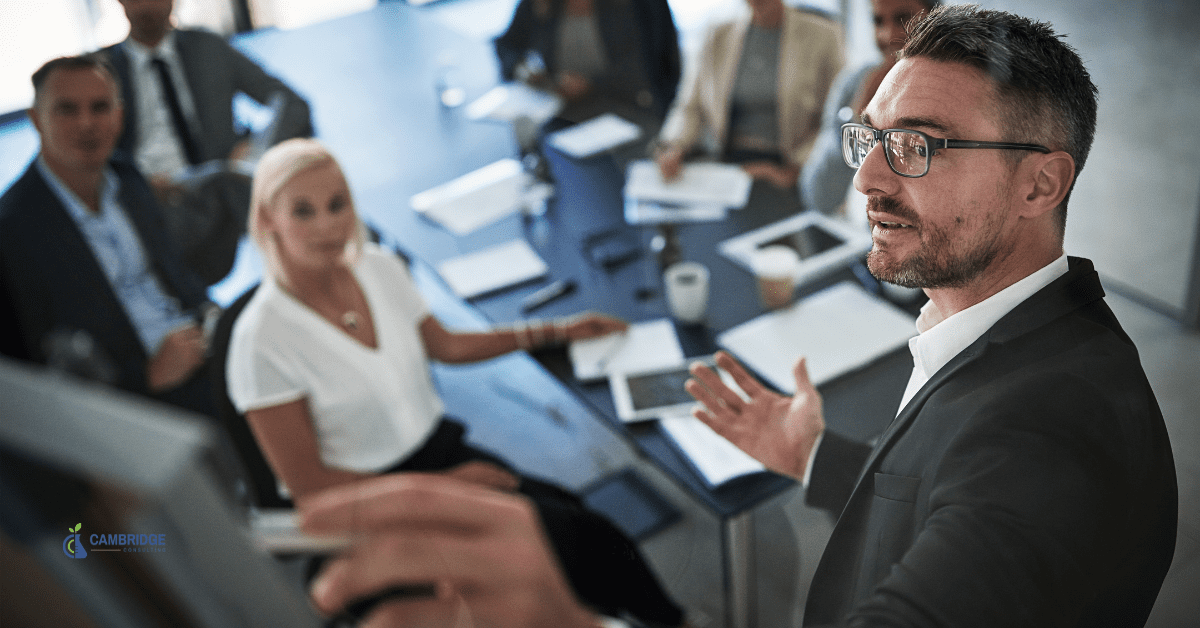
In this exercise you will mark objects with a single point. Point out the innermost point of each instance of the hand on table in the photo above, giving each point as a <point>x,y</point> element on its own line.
<point>589,325</point>
<point>782,177</point>
<point>670,162</point>
<point>179,355</point>
<point>572,86</point>
<point>776,430</point>
<point>483,551</point>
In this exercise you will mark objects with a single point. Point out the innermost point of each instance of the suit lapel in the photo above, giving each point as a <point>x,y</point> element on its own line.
<point>1078,287</point>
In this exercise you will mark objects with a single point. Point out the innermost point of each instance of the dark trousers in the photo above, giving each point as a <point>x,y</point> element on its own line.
<point>603,565</point>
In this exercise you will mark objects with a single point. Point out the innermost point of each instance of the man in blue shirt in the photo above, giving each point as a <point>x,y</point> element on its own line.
<point>84,256</point>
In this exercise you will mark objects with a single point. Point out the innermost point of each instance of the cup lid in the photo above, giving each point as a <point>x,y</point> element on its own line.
<point>774,260</point>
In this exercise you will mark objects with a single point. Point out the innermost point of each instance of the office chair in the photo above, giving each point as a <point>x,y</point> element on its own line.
<point>263,485</point>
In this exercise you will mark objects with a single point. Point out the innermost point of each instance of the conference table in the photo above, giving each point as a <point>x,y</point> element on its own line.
<point>372,79</point>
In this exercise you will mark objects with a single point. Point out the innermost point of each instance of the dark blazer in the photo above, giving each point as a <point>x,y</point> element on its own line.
<point>632,30</point>
<point>52,282</point>
<point>215,73</point>
<point>1029,483</point>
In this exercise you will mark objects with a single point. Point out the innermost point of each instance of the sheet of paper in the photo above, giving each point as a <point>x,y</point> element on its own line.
<point>598,134</point>
<point>705,183</point>
<point>717,459</point>
<point>651,213</point>
<point>492,268</point>
<point>839,329</point>
<point>508,101</point>
<point>475,199</point>
<point>642,347</point>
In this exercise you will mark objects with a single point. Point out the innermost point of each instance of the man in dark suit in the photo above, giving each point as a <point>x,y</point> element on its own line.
<point>1027,478</point>
<point>85,265</point>
<point>178,87</point>
<point>205,73</point>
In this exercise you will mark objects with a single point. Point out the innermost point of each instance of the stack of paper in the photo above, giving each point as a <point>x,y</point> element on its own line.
<point>839,329</point>
<point>492,268</point>
<point>477,198</point>
<point>643,347</point>
<point>598,134</point>
<point>725,185</point>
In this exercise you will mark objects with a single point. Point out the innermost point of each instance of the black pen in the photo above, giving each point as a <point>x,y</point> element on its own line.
<point>547,294</point>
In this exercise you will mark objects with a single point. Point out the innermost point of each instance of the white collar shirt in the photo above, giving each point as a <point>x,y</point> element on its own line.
<point>118,250</point>
<point>157,150</point>
<point>936,343</point>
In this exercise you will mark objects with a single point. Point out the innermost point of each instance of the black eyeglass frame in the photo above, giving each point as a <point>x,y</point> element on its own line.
<point>934,143</point>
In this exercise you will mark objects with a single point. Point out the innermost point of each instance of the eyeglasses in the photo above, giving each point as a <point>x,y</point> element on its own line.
<point>908,152</point>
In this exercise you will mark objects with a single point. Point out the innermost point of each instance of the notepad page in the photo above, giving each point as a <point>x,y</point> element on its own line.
<point>643,346</point>
<point>839,329</point>
<point>492,268</point>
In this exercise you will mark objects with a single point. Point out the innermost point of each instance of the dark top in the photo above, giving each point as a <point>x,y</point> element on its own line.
<point>639,37</point>
<point>50,281</point>
<point>1029,483</point>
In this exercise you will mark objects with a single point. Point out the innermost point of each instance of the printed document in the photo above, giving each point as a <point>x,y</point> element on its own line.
<point>704,183</point>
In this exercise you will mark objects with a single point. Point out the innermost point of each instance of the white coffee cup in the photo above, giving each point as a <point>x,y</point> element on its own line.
<point>775,268</point>
<point>687,291</point>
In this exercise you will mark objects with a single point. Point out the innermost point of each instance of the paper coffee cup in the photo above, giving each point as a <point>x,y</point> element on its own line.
<point>775,268</point>
<point>686,286</point>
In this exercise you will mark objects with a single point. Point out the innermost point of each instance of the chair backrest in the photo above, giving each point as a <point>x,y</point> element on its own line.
<point>264,491</point>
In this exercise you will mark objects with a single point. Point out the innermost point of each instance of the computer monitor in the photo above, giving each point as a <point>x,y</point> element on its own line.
<point>126,503</point>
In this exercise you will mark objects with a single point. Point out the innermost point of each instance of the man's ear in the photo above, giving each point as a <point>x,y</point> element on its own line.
<point>1049,178</point>
<point>32,112</point>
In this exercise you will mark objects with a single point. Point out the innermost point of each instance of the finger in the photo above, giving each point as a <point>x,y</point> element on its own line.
<point>405,499</point>
<point>347,582</point>
<point>800,372</point>
<point>740,376</point>
<point>428,613</point>
<point>709,402</point>
<point>718,425</point>
<point>713,383</point>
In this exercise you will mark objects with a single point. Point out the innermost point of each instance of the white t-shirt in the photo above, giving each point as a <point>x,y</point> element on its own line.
<point>371,408</point>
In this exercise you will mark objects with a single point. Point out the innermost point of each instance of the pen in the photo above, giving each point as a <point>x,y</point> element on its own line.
<point>612,352</point>
<point>547,294</point>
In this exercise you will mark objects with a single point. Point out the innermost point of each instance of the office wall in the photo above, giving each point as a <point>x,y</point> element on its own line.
<point>1136,204</point>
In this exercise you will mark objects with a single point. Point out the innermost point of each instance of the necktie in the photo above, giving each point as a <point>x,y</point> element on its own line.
<point>190,150</point>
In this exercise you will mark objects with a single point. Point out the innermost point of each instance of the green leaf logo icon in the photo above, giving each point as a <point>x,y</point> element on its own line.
<point>77,527</point>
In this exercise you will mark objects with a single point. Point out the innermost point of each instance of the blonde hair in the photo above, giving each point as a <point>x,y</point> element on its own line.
<point>279,165</point>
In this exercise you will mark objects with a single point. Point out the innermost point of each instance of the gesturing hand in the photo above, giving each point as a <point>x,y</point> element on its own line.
<point>776,430</point>
<point>483,551</point>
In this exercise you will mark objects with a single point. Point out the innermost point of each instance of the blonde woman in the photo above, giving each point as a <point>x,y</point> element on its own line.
<point>329,364</point>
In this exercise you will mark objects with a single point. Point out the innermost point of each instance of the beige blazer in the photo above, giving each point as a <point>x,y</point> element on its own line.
<point>810,58</point>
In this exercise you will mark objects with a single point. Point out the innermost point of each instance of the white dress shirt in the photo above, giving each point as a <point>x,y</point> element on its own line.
<point>157,149</point>
<point>937,342</point>
<point>118,250</point>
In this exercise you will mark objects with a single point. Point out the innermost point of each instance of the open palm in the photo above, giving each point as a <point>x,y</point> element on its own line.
<point>777,430</point>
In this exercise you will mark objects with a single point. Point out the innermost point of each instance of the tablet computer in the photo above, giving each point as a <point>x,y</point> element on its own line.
<point>651,394</point>
<point>822,244</point>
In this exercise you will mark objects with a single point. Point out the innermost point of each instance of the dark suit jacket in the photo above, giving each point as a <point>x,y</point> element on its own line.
<point>640,32</point>
<point>52,282</point>
<point>215,72</point>
<point>1029,483</point>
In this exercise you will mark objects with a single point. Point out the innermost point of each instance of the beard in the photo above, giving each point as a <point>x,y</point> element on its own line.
<point>937,263</point>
